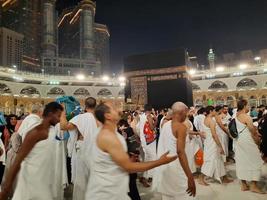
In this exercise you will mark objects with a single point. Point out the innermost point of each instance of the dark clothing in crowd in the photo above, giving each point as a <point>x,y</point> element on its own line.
<point>133,144</point>
<point>133,194</point>
<point>263,131</point>
<point>260,114</point>
<point>160,116</point>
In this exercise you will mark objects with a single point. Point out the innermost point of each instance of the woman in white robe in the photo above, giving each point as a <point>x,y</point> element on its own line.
<point>247,154</point>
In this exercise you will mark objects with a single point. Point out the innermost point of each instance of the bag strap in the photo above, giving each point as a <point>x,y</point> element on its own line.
<point>242,129</point>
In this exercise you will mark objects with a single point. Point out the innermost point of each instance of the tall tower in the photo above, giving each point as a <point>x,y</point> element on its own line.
<point>88,8</point>
<point>211,59</point>
<point>49,31</point>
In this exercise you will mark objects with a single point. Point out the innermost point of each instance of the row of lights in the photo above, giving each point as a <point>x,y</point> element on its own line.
<point>17,78</point>
<point>222,68</point>
<point>54,82</point>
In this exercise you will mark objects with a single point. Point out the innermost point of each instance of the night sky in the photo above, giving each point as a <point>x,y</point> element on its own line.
<point>139,26</point>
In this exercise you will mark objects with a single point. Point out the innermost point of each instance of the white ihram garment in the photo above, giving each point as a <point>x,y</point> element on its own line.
<point>213,165</point>
<point>199,121</point>
<point>86,125</point>
<point>35,179</point>
<point>60,168</point>
<point>150,149</point>
<point>247,155</point>
<point>108,181</point>
<point>28,124</point>
<point>170,180</point>
<point>192,146</point>
<point>224,139</point>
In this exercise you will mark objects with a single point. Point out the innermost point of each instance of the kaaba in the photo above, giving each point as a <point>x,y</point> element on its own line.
<point>158,78</point>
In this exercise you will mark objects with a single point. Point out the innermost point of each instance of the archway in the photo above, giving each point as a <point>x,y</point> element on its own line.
<point>218,85</point>
<point>30,92</point>
<point>4,89</point>
<point>104,93</point>
<point>55,92</point>
<point>81,92</point>
<point>246,83</point>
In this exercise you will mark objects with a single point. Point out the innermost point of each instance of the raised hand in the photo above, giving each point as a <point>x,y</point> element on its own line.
<point>165,159</point>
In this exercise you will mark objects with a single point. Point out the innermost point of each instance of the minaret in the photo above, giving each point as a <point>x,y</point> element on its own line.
<point>211,59</point>
<point>88,8</point>
<point>49,31</point>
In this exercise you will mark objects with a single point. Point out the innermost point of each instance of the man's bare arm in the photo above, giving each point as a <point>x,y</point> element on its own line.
<point>64,124</point>
<point>219,122</point>
<point>113,146</point>
<point>30,140</point>
<point>180,132</point>
<point>252,129</point>
<point>214,134</point>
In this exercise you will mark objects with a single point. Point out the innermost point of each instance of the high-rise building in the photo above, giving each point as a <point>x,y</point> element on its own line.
<point>11,48</point>
<point>102,47</point>
<point>70,43</point>
<point>80,38</point>
<point>24,17</point>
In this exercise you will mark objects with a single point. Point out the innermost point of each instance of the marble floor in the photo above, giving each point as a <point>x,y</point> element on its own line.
<point>216,191</point>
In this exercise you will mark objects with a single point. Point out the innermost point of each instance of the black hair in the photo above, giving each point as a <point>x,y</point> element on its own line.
<point>201,111</point>
<point>218,108</point>
<point>147,107</point>
<point>241,104</point>
<point>9,126</point>
<point>225,106</point>
<point>52,107</point>
<point>90,103</point>
<point>123,122</point>
<point>100,112</point>
<point>209,109</point>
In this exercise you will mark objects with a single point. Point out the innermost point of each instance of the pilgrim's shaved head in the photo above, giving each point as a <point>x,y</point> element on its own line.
<point>179,107</point>
<point>179,110</point>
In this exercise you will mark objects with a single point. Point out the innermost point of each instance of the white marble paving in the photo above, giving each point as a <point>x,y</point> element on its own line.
<point>216,191</point>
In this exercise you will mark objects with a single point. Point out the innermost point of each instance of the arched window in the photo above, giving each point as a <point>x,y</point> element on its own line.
<point>246,83</point>
<point>195,87</point>
<point>104,93</point>
<point>218,85</point>
<point>56,91</point>
<point>30,92</point>
<point>4,89</point>
<point>81,92</point>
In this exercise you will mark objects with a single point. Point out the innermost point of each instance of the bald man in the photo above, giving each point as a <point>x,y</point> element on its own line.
<point>175,180</point>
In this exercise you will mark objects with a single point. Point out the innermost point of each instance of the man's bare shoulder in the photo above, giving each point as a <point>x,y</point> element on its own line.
<point>107,138</point>
<point>38,132</point>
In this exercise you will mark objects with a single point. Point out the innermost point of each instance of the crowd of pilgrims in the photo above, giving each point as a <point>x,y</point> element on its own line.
<point>103,152</point>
